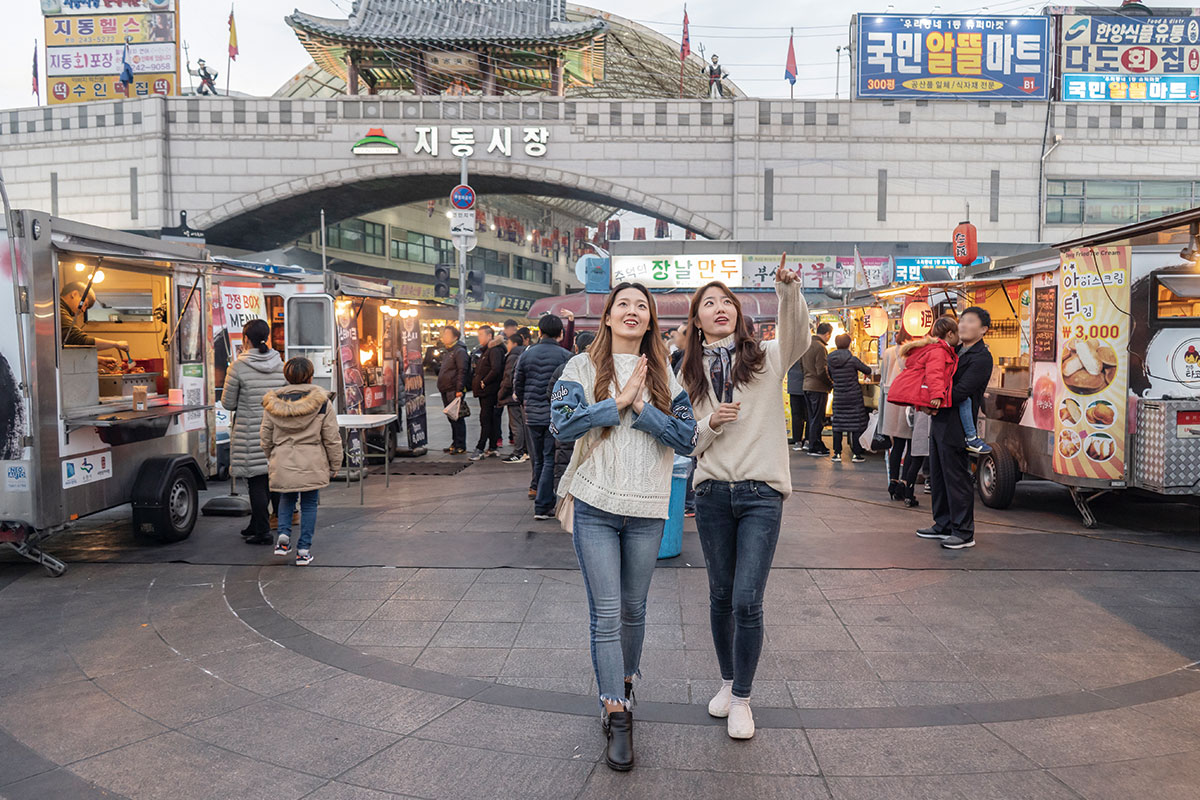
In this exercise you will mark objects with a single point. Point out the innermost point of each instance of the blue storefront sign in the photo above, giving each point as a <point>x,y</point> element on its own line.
<point>987,57</point>
<point>1131,59</point>
<point>910,270</point>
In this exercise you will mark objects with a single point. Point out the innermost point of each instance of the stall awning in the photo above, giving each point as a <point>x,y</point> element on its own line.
<point>1175,226</point>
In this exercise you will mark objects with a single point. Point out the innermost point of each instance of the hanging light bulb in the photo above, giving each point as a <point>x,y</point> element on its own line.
<point>80,266</point>
<point>98,276</point>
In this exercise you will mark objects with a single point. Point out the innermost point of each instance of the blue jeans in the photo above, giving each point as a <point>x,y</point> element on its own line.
<point>739,527</point>
<point>616,555</point>
<point>541,450</point>
<point>966,413</point>
<point>308,515</point>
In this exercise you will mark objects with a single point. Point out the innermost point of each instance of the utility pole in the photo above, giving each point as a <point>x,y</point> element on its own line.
<point>462,269</point>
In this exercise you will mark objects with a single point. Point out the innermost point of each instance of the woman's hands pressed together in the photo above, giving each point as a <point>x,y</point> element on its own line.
<point>726,412</point>
<point>632,393</point>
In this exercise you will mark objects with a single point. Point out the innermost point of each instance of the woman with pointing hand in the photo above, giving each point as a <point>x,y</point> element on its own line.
<point>743,473</point>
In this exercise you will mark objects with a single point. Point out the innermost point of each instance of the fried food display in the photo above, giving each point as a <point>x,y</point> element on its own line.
<point>1068,411</point>
<point>1069,443</point>
<point>1101,413</point>
<point>1088,365</point>
<point>1100,447</point>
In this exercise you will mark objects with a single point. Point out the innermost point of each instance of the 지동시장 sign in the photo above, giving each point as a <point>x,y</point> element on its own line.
<point>981,57</point>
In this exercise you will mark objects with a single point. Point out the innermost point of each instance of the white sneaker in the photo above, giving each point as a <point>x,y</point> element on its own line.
<point>719,705</point>
<point>282,545</point>
<point>741,719</point>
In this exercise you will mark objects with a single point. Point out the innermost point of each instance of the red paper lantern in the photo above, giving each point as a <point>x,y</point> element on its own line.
<point>966,248</point>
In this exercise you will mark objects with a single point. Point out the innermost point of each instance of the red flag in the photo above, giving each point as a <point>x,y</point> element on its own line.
<point>685,49</point>
<point>789,70</point>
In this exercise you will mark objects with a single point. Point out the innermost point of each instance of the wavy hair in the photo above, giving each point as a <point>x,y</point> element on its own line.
<point>652,347</point>
<point>749,359</point>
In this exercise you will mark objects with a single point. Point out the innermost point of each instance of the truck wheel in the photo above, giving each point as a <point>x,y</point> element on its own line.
<point>174,516</point>
<point>997,478</point>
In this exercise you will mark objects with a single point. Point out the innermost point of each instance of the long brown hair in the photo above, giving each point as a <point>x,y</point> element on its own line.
<point>652,347</point>
<point>748,357</point>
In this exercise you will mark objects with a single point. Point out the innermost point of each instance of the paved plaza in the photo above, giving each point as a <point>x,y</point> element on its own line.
<point>437,648</point>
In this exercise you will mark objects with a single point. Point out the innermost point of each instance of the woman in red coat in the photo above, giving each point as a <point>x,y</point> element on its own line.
<point>929,365</point>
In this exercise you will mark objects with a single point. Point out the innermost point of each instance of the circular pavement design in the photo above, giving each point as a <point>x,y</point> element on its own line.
<point>245,596</point>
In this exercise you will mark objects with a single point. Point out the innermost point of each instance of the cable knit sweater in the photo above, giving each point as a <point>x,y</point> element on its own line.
<point>755,447</point>
<point>629,472</point>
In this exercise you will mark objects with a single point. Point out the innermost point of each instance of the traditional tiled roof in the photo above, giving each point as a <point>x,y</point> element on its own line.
<point>451,21</point>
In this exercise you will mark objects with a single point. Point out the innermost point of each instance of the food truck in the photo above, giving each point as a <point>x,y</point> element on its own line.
<point>1097,377</point>
<point>85,427</point>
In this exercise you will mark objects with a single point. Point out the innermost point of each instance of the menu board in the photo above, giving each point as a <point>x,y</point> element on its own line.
<point>1093,362</point>
<point>1045,324</point>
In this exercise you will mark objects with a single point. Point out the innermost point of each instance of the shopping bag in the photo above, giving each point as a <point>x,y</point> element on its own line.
<point>869,440</point>
<point>458,409</point>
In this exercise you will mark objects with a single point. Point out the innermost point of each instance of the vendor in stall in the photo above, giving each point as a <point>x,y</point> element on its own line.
<point>71,302</point>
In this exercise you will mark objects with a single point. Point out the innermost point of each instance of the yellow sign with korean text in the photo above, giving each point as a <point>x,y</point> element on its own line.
<point>81,89</point>
<point>110,29</point>
<point>1092,363</point>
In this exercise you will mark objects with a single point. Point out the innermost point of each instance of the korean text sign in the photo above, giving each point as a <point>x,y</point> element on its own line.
<point>1150,59</point>
<point>1092,363</point>
<point>677,272</point>
<point>989,57</point>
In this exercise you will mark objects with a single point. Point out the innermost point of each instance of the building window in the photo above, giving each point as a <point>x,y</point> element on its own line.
<point>530,269</point>
<point>356,235</point>
<point>1116,202</point>
<point>492,262</point>
<point>421,248</point>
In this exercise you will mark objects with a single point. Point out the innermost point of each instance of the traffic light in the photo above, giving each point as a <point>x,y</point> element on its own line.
<point>475,285</point>
<point>441,281</point>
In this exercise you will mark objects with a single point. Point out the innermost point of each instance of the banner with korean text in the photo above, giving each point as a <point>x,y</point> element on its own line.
<point>1130,59</point>
<point>1093,362</point>
<point>924,55</point>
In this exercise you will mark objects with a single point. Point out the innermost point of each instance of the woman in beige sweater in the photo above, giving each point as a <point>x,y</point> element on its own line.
<point>743,473</point>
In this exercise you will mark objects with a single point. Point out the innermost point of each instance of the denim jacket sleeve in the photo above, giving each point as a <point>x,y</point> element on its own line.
<point>676,430</point>
<point>571,416</point>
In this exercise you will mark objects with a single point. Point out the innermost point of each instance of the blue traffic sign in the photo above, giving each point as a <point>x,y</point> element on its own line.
<point>462,197</point>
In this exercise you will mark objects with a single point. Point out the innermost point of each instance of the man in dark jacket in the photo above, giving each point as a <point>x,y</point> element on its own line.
<point>516,344</point>
<point>488,374</point>
<point>795,389</point>
<point>452,383</point>
<point>817,386</point>
<point>531,383</point>
<point>949,466</point>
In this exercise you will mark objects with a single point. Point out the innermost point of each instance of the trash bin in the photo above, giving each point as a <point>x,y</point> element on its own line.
<point>672,540</point>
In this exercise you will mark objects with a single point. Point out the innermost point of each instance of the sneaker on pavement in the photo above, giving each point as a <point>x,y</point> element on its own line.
<point>516,458</point>
<point>543,517</point>
<point>978,445</point>
<point>490,454</point>
<point>817,453</point>
<point>478,455</point>
<point>719,705</point>
<point>837,458</point>
<point>799,447</point>
<point>282,545</point>
<point>957,543</point>
<point>932,533</point>
<point>741,719</point>
<point>303,558</point>
<point>928,488</point>
<point>858,459</point>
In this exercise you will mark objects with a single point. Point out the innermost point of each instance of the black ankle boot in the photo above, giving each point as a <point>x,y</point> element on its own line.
<point>619,754</point>
<point>629,695</point>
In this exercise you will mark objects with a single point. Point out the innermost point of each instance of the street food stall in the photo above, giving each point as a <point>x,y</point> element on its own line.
<point>1097,377</point>
<point>105,377</point>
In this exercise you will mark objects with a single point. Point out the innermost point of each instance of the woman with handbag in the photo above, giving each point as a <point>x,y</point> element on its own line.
<point>743,471</point>
<point>893,422</point>
<point>626,412</point>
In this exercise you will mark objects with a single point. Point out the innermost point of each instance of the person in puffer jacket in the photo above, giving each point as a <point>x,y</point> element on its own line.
<point>929,364</point>
<point>304,450</point>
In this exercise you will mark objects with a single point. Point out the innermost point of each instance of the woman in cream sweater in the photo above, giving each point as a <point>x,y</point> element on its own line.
<point>743,473</point>
<point>626,412</point>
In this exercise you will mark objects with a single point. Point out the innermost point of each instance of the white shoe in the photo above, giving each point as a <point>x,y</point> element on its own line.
<point>741,719</point>
<point>719,705</point>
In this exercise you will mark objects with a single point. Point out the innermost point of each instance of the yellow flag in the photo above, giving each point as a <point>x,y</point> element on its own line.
<point>233,48</point>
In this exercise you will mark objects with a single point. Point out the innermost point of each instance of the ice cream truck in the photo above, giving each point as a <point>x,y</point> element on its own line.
<point>1097,378</point>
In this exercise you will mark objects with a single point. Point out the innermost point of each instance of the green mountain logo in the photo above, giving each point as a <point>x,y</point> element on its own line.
<point>375,144</point>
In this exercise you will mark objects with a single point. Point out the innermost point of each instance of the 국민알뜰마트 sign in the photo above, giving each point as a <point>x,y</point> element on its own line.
<point>677,272</point>
<point>911,270</point>
<point>1148,59</point>
<point>984,57</point>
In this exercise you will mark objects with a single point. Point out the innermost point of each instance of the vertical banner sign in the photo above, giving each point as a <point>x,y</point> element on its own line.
<point>12,404</point>
<point>352,377</point>
<point>414,383</point>
<point>1131,59</point>
<point>1042,409</point>
<point>1093,362</point>
<point>922,55</point>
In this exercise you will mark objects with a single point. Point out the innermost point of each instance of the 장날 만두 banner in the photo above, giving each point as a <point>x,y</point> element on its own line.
<point>1093,362</point>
